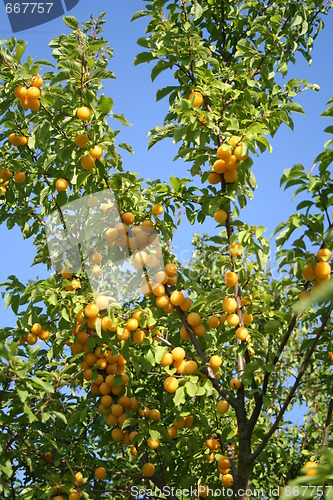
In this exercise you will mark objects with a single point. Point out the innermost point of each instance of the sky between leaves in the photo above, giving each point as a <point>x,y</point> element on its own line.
<point>134,95</point>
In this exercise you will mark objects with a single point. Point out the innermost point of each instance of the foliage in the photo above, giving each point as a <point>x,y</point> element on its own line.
<point>54,423</point>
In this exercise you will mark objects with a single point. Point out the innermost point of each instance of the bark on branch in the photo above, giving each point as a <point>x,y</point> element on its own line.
<point>328,423</point>
<point>294,387</point>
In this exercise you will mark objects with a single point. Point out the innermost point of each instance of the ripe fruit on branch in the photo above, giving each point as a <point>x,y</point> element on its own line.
<point>215,362</point>
<point>231,163</point>
<point>197,99</point>
<point>148,470</point>
<point>247,319</point>
<point>230,176</point>
<point>100,473</point>
<point>24,103</point>
<point>172,431</point>
<point>96,152</point>
<point>238,153</point>
<point>167,359</point>
<point>178,354</point>
<point>213,178</point>
<point>19,177</point>
<point>236,249</point>
<point>87,162</point>
<point>229,305</point>
<point>13,139</point>
<point>213,444</point>
<point>79,478</point>
<point>153,444</point>
<point>33,93</point>
<point>308,272</point>
<point>101,304</point>
<point>33,104</point>
<point>193,319</point>
<point>191,367</point>
<point>242,333</point>
<point>66,273</point>
<point>36,81</point>
<point>128,218</point>
<point>310,469</point>
<point>220,216</point>
<point>81,140</point>
<point>91,311</point>
<point>75,495</point>
<point>224,463</point>
<point>213,322</point>
<point>132,324</point>
<point>154,414</point>
<point>227,480</point>
<point>4,173</point>
<point>222,406</point>
<point>83,113</point>
<point>36,329</point>
<point>324,255</point>
<point>322,270</point>
<point>220,166</point>
<point>235,383</point>
<point>96,258</point>
<point>157,209</point>
<point>230,278</point>
<point>170,269</point>
<point>224,153</point>
<point>61,185</point>
<point>233,320</point>
<point>171,384</point>
<point>20,92</point>
<point>177,298</point>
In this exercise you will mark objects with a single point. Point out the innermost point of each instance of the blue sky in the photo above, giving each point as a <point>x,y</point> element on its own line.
<point>134,95</point>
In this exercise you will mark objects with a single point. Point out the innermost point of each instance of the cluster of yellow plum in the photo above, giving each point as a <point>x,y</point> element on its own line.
<point>229,160</point>
<point>223,462</point>
<point>320,271</point>
<point>5,174</point>
<point>100,474</point>
<point>29,96</point>
<point>36,332</point>
<point>81,141</point>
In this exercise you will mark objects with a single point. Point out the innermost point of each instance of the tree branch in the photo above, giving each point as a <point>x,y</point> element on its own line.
<point>328,423</point>
<point>256,412</point>
<point>207,370</point>
<point>294,387</point>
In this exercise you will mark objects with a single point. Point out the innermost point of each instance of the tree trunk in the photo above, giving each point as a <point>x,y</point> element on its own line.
<point>244,468</point>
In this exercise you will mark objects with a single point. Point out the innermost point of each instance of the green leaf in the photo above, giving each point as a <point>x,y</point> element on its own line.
<point>118,380</point>
<point>272,326</point>
<point>138,14</point>
<point>154,434</point>
<point>43,384</point>
<point>179,398</point>
<point>143,57</point>
<point>198,11</point>
<point>191,389</point>
<point>105,104</point>
<point>71,21</point>
<point>44,62</point>
<point>175,183</point>
<point>127,147</point>
<point>6,467</point>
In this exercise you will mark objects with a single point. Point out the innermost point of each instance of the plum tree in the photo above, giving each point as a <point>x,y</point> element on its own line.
<point>188,384</point>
